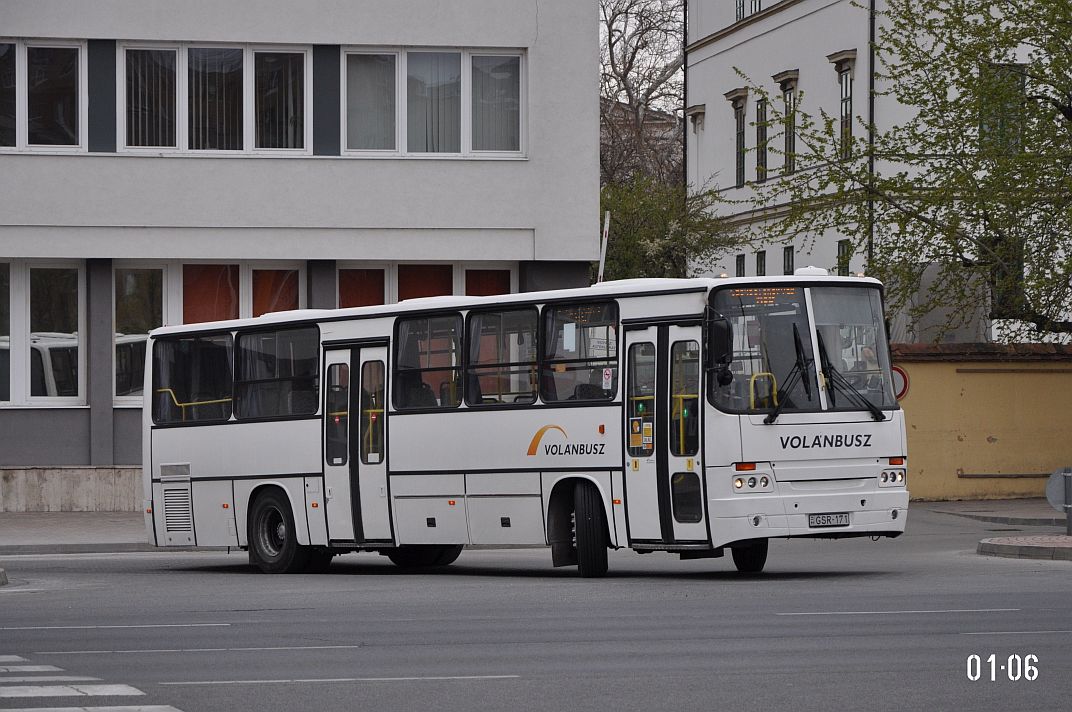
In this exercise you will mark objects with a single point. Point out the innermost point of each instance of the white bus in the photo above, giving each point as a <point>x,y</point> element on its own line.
<point>688,416</point>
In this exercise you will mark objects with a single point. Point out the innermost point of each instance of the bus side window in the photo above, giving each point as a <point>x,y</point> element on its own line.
<point>580,348</point>
<point>372,402</point>
<point>640,408</point>
<point>428,362</point>
<point>685,398</point>
<point>336,444</point>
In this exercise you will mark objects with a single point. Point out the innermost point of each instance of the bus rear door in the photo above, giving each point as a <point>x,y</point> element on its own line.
<point>355,445</point>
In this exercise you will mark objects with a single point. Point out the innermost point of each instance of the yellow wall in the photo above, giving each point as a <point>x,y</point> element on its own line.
<point>1005,418</point>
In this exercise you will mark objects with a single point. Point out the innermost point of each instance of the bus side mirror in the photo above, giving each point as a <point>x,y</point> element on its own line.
<point>719,344</point>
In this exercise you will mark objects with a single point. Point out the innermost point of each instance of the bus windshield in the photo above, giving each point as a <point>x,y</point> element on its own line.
<point>783,351</point>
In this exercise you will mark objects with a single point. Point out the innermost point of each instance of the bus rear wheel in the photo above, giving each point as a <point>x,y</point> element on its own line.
<point>424,556</point>
<point>590,530</point>
<point>272,536</point>
<point>750,559</point>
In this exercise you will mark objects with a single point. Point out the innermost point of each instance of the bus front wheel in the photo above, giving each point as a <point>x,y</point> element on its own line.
<point>750,559</point>
<point>273,538</point>
<point>590,530</point>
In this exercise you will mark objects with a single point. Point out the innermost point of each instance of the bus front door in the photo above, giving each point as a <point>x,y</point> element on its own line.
<point>664,484</point>
<point>355,445</point>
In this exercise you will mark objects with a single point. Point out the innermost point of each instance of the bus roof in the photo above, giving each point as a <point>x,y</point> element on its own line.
<point>615,288</point>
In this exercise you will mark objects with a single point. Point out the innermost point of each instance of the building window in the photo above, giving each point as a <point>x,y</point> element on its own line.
<point>761,263</point>
<point>7,95</point>
<point>416,281</point>
<point>371,101</point>
<point>279,99</point>
<point>761,140</point>
<point>5,332</point>
<point>215,99</point>
<point>844,254</point>
<point>55,311</point>
<point>362,287</point>
<point>757,5</point>
<point>740,10</point>
<point>740,265</point>
<point>209,293</point>
<point>52,96</point>
<point>151,97</point>
<point>788,260</point>
<point>486,282</point>
<point>789,101</point>
<point>845,83</point>
<point>139,308</point>
<point>739,148</point>
<point>274,290</point>
<point>496,103</point>
<point>1001,121</point>
<point>434,107</point>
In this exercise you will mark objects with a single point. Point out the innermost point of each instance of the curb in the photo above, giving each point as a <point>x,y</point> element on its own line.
<point>1056,521</point>
<point>24,549</point>
<point>1016,548</point>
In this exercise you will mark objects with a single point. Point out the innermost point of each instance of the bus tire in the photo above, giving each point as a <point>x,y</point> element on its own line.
<point>272,536</point>
<point>423,556</point>
<point>590,527</point>
<point>752,558</point>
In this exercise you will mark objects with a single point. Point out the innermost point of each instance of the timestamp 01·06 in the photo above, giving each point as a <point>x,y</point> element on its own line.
<point>1015,667</point>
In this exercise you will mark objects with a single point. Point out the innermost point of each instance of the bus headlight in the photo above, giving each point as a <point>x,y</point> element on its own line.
<point>738,483</point>
<point>892,478</point>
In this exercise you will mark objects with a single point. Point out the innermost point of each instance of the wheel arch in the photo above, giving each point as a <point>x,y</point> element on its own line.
<point>559,505</point>
<point>301,525</point>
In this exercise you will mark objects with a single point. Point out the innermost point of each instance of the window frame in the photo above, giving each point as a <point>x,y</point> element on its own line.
<point>401,149</point>
<point>83,344</point>
<point>137,401</point>
<point>761,263</point>
<point>466,365</point>
<point>543,360</point>
<point>182,103</point>
<point>22,129</point>
<point>789,260</point>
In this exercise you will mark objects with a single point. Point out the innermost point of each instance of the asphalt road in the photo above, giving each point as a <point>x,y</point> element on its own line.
<point>831,625</point>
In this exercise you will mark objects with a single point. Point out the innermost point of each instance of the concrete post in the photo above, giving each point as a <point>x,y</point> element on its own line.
<point>322,284</point>
<point>99,361</point>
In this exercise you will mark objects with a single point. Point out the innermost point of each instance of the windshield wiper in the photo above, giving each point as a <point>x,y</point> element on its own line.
<point>798,372</point>
<point>837,380</point>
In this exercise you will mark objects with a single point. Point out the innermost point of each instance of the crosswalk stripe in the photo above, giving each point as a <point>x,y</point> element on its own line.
<point>11,659</point>
<point>46,678</point>
<point>134,708</point>
<point>69,691</point>
<point>30,668</point>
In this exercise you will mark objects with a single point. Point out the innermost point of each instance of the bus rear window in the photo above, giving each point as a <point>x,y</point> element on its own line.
<point>192,379</point>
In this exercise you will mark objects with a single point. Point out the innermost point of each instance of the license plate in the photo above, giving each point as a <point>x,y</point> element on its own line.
<point>838,519</point>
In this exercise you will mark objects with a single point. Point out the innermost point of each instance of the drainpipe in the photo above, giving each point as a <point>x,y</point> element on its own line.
<point>871,137</point>
<point>685,96</point>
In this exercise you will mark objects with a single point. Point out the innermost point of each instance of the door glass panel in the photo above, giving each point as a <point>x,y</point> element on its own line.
<point>336,414</point>
<point>641,406</point>
<point>685,398</point>
<point>372,400</point>
<point>685,493</point>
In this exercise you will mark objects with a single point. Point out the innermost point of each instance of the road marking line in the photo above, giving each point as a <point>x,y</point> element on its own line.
<point>347,679</point>
<point>11,659</point>
<point>133,708</point>
<point>1018,632</point>
<point>30,668</point>
<point>99,627</point>
<point>47,678</point>
<point>70,691</point>
<point>201,650</point>
<point>893,613</point>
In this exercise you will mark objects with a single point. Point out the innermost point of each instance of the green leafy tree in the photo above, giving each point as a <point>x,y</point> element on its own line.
<point>973,191</point>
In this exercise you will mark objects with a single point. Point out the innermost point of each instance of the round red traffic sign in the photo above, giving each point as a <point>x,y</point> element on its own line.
<point>900,382</point>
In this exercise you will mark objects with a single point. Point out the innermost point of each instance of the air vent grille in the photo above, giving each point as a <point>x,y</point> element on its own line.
<point>178,516</point>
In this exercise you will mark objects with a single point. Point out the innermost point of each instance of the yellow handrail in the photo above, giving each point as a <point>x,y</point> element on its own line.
<point>752,387</point>
<point>183,406</point>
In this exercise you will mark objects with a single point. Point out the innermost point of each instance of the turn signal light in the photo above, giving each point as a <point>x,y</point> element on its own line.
<point>745,467</point>
<point>314,505</point>
<point>226,506</point>
<point>896,460</point>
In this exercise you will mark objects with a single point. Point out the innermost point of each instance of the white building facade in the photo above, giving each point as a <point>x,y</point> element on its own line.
<point>815,49</point>
<point>173,161</point>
